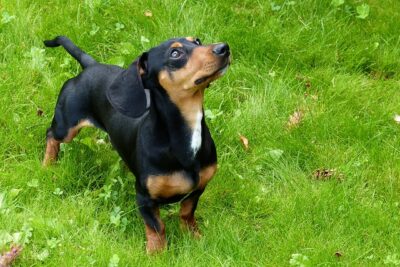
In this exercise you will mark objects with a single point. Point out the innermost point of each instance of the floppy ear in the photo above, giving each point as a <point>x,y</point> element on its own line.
<point>127,94</point>
<point>142,63</point>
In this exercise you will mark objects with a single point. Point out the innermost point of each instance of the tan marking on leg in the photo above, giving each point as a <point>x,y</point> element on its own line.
<point>188,221</point>
<point>186,213</point>
<point>156,242</point>
<point>53,145</point>
<point>52,149</point>
<point>168,185</point>
<point>75,130</point>
<point>206,175</point>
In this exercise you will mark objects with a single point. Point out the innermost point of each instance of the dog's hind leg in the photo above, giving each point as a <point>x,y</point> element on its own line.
<point>69,117</point>
<point>52,148</point>
<point>53,143</point>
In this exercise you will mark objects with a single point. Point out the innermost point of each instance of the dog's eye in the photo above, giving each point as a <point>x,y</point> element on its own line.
<point>176,53</point>
<point>197,41</point>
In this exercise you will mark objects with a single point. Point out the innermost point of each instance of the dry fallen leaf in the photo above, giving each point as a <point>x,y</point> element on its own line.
<point>305,79</point>
<point>245,141</point>
<point>301,77</point>
<point>295,119</point>
<point>8,257</point>
<point>148,13</point>
<point>397,118</point>
<point>324,174</point>
<point>384,75</point>
<point>39,112</point>
<point>338,254</point>
<point>313,97</point>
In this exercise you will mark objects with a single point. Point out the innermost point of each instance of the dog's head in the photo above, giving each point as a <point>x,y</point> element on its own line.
<point>181,67</point>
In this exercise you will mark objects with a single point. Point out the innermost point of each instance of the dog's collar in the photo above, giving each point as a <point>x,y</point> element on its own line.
<point>147,92</point>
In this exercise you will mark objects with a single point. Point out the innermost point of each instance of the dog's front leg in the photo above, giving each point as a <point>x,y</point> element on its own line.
<point>155,228</point>
<point>186,213</point>
<point>189,204</point>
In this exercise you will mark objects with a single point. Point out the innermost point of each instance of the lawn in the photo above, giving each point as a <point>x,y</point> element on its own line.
<point>314,87</point>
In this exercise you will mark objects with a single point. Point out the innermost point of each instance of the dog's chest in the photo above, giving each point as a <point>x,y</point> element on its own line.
<point>170,185</point>
<point>178,183</point>
<point>195,142</point>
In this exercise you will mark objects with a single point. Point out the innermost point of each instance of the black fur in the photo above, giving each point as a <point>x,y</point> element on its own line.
<point>84,59</point>
<point>126,94</point>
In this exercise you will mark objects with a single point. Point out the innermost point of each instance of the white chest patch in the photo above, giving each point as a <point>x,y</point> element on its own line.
<point>196,135</point>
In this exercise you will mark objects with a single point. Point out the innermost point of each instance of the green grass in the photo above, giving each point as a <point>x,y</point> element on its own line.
<point>262,207</point>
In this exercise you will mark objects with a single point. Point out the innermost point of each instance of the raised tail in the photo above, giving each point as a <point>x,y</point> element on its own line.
<point>84,59</point>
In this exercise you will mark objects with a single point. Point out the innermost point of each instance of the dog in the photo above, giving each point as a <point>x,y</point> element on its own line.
<point>153,114</point>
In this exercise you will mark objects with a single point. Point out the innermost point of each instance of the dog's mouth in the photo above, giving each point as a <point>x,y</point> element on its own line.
<point>218,73</point>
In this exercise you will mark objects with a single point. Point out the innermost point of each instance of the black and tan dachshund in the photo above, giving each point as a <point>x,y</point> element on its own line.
<point>153,114</point>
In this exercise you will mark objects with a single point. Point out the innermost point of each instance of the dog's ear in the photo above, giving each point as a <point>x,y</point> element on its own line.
<point>127,94</point>
<point>143,63</point>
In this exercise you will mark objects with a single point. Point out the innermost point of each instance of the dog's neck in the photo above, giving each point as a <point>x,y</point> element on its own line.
<point>191,109</point>
<point>183,121</point>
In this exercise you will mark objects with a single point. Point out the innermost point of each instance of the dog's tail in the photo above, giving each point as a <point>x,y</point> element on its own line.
<point>84,59</point>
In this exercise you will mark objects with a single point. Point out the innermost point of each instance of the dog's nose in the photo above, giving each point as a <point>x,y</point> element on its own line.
<point>221,49</point>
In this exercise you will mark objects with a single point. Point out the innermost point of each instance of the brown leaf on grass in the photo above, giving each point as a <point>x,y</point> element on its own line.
<point>295,119</point>
<point>39,112</point>
<point>301,77</point>
<point>244,141</point>
<point>305,79</point>
<point>313,97</point>
<point>148,13</point>
<point>7,258</point>
<point>338,254</point>
<point>382,75</point>
<point>325,174</point>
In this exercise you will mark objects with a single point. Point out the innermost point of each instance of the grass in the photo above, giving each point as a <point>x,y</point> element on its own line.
<point>264,207</point>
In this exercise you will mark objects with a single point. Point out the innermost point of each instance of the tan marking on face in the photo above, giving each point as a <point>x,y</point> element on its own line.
<point>75,130</point>
<point>190,39</point>
<point>176,44</point>
<point>206,174</point>
<point>180,84</point>
<point>166,186</point>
